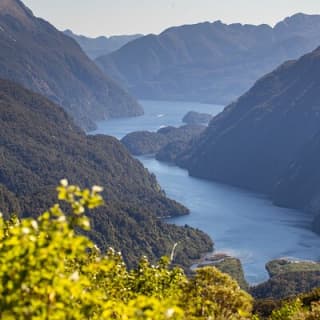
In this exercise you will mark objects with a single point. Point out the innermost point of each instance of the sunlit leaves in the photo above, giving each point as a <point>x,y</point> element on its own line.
<point>48,271</point>
<point>80,199</point>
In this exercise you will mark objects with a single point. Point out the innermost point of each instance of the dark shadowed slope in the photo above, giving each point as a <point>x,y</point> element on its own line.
<point>36,55</point>
<point>40,145</point>
<point>254,140</point>
<point>299,186</point>
<point>212,62</point>
<point>96,47</point>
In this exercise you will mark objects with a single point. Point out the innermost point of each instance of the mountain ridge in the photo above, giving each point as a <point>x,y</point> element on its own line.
<point>208,62</point>
<point>98,46</point>
<point>38,56</point>
<point>265,141</point>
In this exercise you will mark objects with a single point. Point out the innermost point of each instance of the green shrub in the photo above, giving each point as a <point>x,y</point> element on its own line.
<point>49,271</point>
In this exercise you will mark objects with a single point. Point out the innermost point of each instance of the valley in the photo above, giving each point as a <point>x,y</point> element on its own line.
<point>159,168</point>
<point>243,224</point>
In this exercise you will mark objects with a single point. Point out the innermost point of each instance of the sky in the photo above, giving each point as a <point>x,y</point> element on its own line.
<point>113,17</point>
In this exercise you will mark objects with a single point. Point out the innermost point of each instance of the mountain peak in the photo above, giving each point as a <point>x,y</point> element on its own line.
<point>301,16</point>
<point>16,9</point>
<point>297,20</point>
<point>41,58</point>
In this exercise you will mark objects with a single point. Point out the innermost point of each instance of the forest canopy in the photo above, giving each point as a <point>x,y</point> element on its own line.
<point>49,270</point>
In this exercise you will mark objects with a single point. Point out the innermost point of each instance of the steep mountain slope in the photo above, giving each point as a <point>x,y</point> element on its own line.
<point>36,55</point>
<point>211,62</point>
<point>299,186</point>
<point>96,47</point>
<point>40,145</point>
<point>253,141</point>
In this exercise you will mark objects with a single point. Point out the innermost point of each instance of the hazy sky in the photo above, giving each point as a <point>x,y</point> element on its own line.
<point>109,17</point>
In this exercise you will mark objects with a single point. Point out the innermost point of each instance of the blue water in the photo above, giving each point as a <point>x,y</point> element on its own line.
<point>241,223</point>
<point>158,114</point>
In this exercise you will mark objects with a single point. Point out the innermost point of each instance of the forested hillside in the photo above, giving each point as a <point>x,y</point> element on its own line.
<point>40,145</point>
<point>43,59</point>
<point>263,140</point>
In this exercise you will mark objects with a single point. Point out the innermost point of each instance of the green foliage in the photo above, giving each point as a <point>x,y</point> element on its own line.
<point>233,267</point>
<point>264,307</point>
<point>297,311</point>
<point>57,68</point>
<point>303,306</point>
<point>280,266</point>
<point>48,271</point>
<point>146,142</point>
<point>211,294</point>
<point>288,311</point>
<point>288,278</point>
<point>285,285</point>
<point>40,145</point>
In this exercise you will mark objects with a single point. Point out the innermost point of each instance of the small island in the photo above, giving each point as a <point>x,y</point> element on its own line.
<point>194,117</point>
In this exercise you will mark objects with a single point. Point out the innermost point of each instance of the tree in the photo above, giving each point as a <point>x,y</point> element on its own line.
<point>50,271</point>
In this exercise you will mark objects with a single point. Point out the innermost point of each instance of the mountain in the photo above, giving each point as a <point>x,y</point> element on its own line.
<point>146,142</point>
<point>265,133</point>
<point>288,278</point>
<point>209,62</point>
<point>40,145</point>
<point>38,56</point>
<point>96,47</point>
<point>194,118</point>
<point>299,186</point>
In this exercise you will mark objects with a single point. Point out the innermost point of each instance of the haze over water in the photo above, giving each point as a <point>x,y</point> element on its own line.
<point>241,223</point>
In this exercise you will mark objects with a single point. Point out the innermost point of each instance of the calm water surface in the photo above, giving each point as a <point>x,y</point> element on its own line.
<point>244,224</point>
<point>158,114</point>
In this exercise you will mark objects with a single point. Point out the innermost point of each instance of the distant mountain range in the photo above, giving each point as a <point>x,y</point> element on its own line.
<point>38,56</point>
<point>40,145</point>
<point>209,62</point>
<point>269,139</point>
<point>96,47</point>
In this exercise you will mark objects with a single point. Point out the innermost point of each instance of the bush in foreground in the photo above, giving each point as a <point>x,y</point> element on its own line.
<point>49,271</point>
